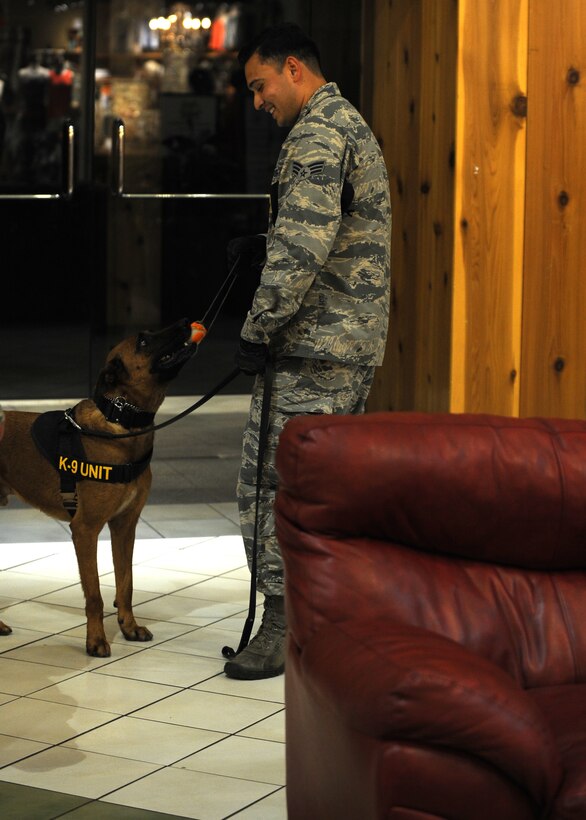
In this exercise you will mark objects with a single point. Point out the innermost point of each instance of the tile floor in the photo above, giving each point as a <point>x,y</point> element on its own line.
<point>156,730</point>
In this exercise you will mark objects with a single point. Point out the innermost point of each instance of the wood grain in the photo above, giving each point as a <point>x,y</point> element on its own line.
<point>554,308</point>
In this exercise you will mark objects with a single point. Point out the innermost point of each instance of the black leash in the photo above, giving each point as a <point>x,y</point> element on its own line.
<point>226,286</point>
<point>222,294</point>
<point>263,433</point>
<point>104,434</point>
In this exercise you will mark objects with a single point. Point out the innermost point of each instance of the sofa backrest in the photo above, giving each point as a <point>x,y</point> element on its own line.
<point>473,526</point>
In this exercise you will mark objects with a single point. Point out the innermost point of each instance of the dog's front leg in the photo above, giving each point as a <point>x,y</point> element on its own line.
<point>122,530</point>
<point>85,540</point>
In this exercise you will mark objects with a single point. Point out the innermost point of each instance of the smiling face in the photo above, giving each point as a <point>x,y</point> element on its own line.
<point>277,90</point>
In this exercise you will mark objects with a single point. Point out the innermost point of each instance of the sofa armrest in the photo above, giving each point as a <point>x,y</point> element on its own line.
<point>397,682</point>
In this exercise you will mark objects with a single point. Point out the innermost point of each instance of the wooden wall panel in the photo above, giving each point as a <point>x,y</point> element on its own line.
<point>489,294</point>
<point>395,54</point>
<point>409,99</point>
<point>490,191</point>
<point>554,310</point>
<point>436,151</point>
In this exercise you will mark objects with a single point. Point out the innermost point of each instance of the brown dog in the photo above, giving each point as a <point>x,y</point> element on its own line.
<point>111,478</point>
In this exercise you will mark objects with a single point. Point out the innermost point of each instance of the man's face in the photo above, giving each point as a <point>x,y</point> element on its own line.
<point>275,89</point>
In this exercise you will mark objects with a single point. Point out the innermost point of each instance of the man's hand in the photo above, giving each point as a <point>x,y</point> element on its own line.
<point>249,251</point>
<point>251,357</point>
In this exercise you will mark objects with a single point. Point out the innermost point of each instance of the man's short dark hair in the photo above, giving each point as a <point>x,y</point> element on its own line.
<point>276,43</point>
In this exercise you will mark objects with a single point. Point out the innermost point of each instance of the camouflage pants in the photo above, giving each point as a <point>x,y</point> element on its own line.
<point>300,386</point>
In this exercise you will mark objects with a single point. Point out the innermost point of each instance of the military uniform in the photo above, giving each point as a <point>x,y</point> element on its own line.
<point>322,304</point>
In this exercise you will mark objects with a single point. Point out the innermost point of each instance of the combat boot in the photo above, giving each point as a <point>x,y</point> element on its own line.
<point>264,657</point>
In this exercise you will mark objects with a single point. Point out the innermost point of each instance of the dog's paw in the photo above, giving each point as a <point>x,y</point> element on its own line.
<point>4,629</point>
<point>98,648</point>
<point>140,633</point>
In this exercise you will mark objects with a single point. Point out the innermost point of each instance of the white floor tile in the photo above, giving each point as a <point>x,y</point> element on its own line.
<point>48,722</point>
<point>114,722</point>
<point>273,807</point>
<point>178,560</point>
<point>229,509</point>
<point>206,710</point>
<point>23,585</point>
<point>186,610</point>
<point>31,615</point>
<point>105,693</point>
<point>15,748</point>
<point>163,667</point>
<point>19,637</point>
<point>235,623</point>
<point>160,581</point>
<point>268,689</point>
<point>23,678</point>
<point>179,512</point>
<point>271,728</point>
<point>144,550</point>
<point>40,529</point>
<point>73,596</point>
<point>145,740</point>
<point>221,403</point>
<point>219,589</point>
<point>181,528</point>
<point>161,631</point>
<point>13,555</point>
<point>67,652</point>
<point>214,556</point>
<point>247,758</point>
<point>190,794</point>
<point>205,641</point>
<point>76,772</point>
<point>62,566</point>
<point>5,602</point>
<point>240,574</point>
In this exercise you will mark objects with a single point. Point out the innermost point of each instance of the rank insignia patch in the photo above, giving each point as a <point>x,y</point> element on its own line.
<point>311,169</point>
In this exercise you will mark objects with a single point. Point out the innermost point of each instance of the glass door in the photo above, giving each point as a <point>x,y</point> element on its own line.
<point>130,154</point>
<point>187,163</point>
<point>46,281</point>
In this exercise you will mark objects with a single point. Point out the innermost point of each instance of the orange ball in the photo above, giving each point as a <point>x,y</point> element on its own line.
<point>198,333</point>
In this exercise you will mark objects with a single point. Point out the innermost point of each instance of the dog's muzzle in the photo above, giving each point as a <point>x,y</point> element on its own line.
<point>169,349</point>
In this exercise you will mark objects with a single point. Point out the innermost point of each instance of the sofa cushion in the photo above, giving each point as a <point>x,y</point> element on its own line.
<point>564,708</point>
<point>427,480</point>
<point>396,682</point>
<point>371,510</point>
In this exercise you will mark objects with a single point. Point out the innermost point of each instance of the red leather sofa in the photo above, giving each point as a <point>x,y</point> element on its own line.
<point>436,604</point>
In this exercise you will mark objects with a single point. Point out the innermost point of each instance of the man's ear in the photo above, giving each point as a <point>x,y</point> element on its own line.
<point>295,68</point>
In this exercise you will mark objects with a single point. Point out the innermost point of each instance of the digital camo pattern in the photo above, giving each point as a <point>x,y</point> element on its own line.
<point>300,386</point>
<point>325,288</point>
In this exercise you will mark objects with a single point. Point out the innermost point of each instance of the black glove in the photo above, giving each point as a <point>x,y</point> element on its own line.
<point>251,357</point>
<point>249,251</point>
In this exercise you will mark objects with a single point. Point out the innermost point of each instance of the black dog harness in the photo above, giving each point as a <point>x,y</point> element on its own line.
<point>58,438</point>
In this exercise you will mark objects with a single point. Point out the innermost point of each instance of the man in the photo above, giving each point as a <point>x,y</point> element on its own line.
<point>321,309</point>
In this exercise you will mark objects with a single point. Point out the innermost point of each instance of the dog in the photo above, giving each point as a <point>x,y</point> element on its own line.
<point>109,479</point>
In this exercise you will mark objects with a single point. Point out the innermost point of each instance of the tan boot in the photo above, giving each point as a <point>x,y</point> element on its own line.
<point>264,657</point>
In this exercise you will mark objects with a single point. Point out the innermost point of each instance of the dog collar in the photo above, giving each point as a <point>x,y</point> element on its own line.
<point>119,411</point>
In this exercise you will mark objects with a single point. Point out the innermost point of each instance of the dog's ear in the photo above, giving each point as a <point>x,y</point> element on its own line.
<point>112,375</point>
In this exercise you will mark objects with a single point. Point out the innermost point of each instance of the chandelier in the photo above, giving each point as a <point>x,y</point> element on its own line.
<point>180,28</point>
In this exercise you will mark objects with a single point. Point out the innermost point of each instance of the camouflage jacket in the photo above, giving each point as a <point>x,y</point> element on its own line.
<point>325,287</point>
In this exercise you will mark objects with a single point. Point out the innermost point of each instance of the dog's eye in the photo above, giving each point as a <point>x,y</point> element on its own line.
<point>142,342</point>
